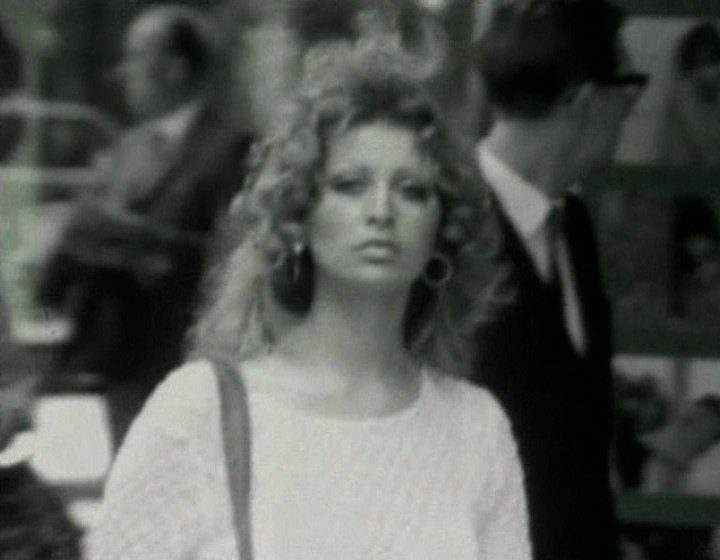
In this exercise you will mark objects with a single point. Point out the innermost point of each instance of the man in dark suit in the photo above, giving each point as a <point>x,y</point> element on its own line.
<point>139,250</point>
<point>561,85</point>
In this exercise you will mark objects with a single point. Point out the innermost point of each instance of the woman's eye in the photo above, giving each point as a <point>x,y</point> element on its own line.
<point>347,185</point>
<point>419,192</point>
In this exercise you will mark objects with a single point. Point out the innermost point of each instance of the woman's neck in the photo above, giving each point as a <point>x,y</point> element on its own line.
<point>345,358</point>
<point>352,334</point>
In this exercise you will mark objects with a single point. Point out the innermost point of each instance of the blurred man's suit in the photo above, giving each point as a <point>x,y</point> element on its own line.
<point>185,189</point>
<point>132,317</point>
<point>131,259</point>
<point>559,399</point>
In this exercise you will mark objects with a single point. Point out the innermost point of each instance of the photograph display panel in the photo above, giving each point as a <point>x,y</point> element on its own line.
<point>660,255</point>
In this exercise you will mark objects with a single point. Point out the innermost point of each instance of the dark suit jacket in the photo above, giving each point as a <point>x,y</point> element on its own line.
<point>138,293</point>
<point>558,401</point>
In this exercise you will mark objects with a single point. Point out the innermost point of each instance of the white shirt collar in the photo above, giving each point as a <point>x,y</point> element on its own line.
<point>526,206</point>
<point>175,125</point>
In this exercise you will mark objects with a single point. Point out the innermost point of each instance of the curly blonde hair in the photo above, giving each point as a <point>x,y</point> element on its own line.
<point>265,282</point>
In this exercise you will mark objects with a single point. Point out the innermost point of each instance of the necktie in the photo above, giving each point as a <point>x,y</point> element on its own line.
<point>554,232</point>
<point>563,280</point>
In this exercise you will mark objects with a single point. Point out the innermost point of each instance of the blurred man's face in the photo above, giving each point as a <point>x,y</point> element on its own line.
<point>141,68</point>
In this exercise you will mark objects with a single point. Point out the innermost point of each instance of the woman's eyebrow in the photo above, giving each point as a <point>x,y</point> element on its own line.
<point>348,170</point>
<point>414,173</point>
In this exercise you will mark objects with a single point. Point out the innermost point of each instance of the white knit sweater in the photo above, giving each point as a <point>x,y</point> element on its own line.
<point>438,480</point>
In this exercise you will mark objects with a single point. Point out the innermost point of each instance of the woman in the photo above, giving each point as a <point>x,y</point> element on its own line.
<point>346,308</point>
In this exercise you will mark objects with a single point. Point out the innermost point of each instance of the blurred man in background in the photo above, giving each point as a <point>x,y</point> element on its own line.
<point>558,77</point>
<point>131,259</point>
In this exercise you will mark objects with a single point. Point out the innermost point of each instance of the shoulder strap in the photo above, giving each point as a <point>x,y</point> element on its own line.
<point>235,420</point>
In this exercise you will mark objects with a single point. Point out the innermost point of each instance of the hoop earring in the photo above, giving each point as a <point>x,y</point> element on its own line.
<point>438,271</point>
<point>295,258</point>
<point>289,261</point>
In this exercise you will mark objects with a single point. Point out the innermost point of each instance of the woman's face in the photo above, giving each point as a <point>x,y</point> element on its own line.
<point>377,218</point>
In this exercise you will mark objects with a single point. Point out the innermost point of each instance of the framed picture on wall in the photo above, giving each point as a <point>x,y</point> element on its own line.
<point>659,241</point>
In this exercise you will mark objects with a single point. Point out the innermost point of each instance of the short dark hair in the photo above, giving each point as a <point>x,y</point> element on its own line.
<point>699,46</point>
<point>186,39</point>
<point>534,50</point>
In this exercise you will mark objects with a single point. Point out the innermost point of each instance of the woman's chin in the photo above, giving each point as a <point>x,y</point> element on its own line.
<point>377,281</point>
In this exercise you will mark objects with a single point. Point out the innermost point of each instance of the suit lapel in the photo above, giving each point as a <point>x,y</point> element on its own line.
<point>523,273</point>
<point>184,161</point>
<point>182,155</point>
<point>160,158</point>
<point>137,168</point>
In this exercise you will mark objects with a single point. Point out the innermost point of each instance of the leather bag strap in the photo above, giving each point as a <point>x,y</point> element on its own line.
<point>235,420</point>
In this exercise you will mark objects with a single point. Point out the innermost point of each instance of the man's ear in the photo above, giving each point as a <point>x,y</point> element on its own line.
<point>576,101</point>
<point>177,70</point>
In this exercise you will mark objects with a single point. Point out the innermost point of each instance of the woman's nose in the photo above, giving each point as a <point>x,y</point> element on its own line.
<point>379,204</point>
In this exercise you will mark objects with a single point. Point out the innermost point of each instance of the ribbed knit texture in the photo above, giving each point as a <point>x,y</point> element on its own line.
<point>440,479</point>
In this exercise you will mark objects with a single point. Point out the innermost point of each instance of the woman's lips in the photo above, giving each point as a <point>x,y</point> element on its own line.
<point>378,247</point>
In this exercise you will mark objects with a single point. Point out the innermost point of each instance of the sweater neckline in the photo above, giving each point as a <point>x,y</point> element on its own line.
<point>274,405</point>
